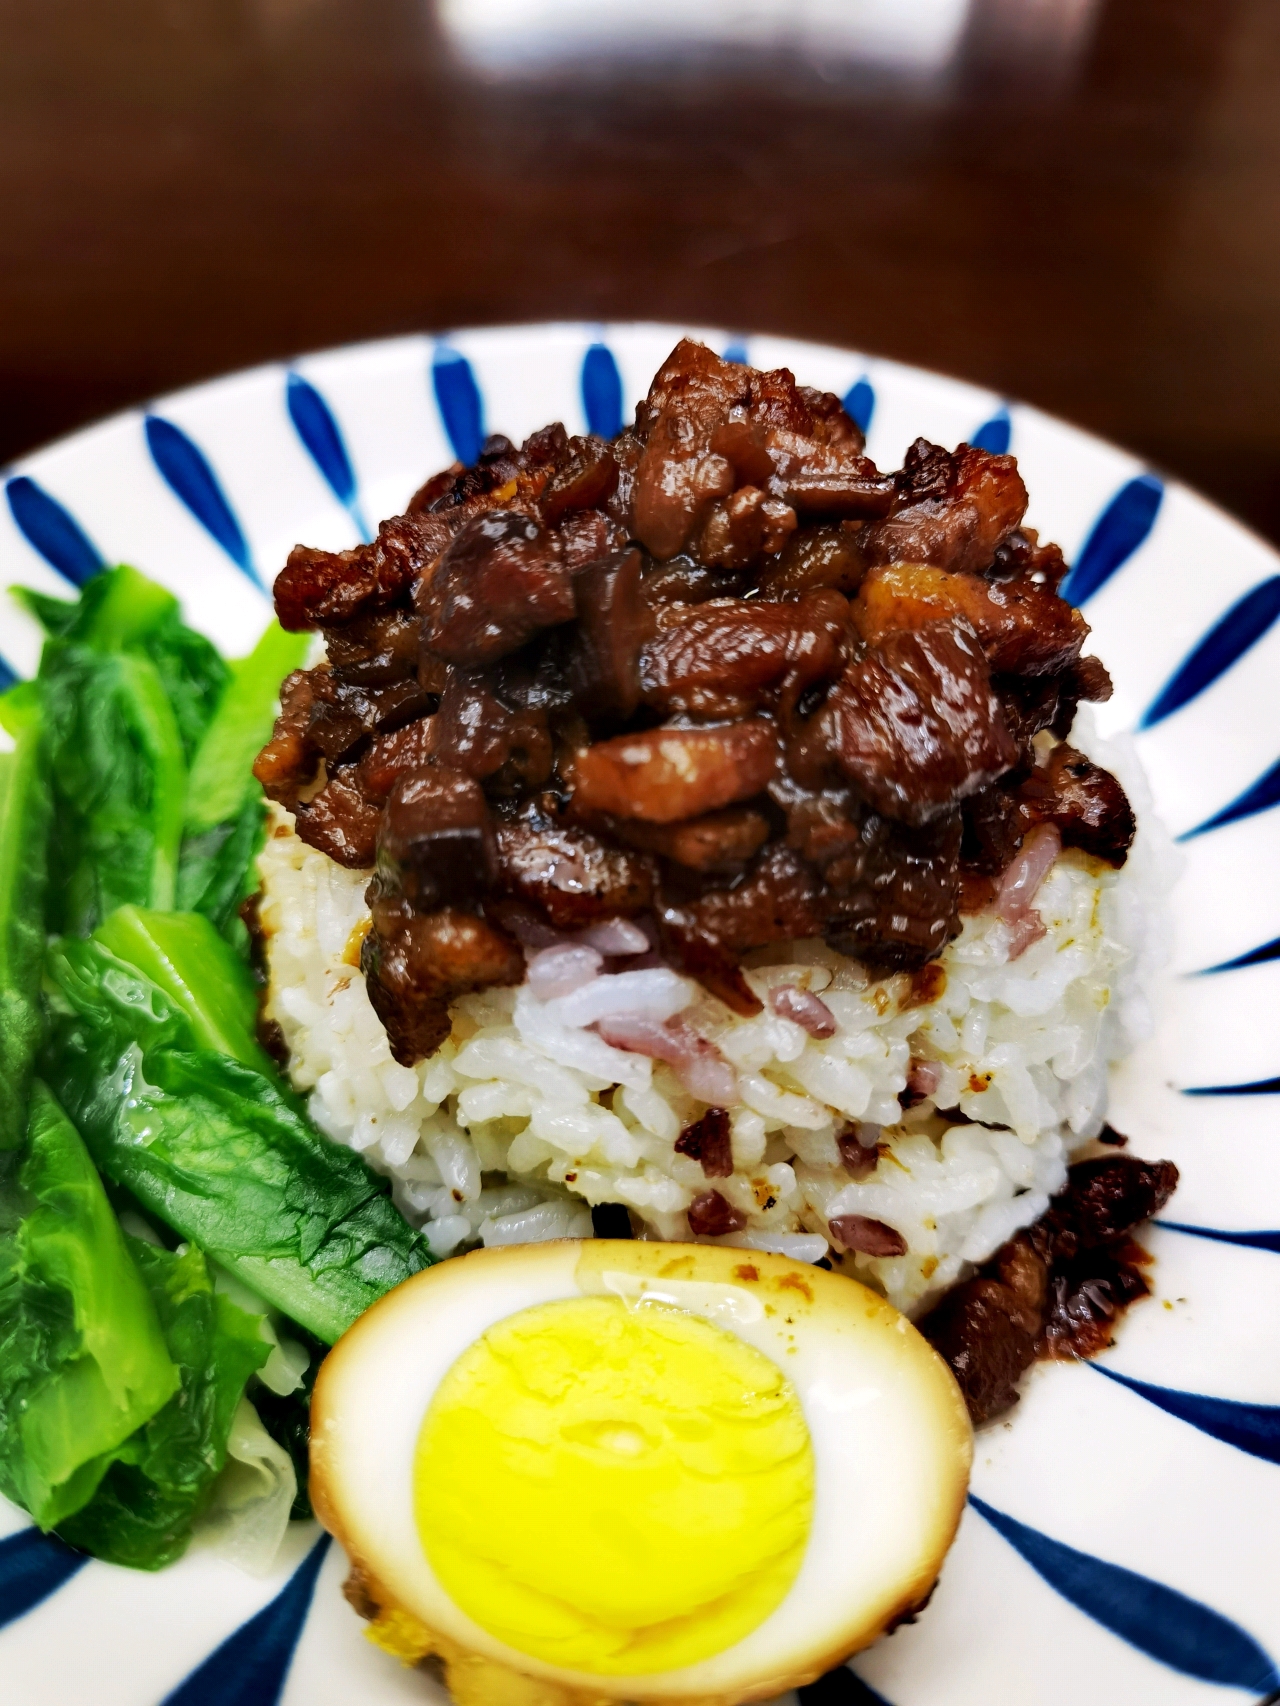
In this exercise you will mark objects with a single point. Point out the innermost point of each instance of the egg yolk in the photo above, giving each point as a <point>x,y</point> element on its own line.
<point>614,1489</point>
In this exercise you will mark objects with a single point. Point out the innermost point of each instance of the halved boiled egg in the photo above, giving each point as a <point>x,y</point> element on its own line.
<point>597,1471</point>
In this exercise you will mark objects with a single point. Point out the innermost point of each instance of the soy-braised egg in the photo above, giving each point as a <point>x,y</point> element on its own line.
<point>597,1471</point>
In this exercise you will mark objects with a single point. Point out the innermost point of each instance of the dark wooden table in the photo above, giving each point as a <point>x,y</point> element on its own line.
<point>1076,202</point>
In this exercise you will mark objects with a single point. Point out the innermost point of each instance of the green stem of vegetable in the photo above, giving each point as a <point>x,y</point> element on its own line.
<point>25,808</point>
<point>182,954</point>
<point>225,808</point>
<point>157,732</point>
<point>222,769</point>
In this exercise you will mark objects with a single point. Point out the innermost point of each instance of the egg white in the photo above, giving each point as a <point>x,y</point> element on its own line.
<point>892,1442</point>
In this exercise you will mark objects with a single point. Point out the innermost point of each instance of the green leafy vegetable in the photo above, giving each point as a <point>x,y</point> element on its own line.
<point>25,807</point>
<point>115,609</point>
<point>121,610</point>
<point>55,615</point>
<point>193,674</point>
<point>83,1362</point>
<point>142,1512</point>
<point>222,769</point>
<point>119,779</point>
<point>129,693</point>
<point>225,816</point>
<point>221,1153</point>
<point>123,1366</point>
<point>216,872</point>
<point>184,956</point>
<point>133,697</point>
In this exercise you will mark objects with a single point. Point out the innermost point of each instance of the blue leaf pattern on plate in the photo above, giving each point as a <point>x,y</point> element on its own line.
<point>313,420</point>
<point>1254,1428</point>
<point>601,391</point>
<point>1259,1087</point>
<point>994,435</point>
<point>1117,534</point>
<point>1161,1622</point>
<point>250,1667</point>
<point>736,352</point>
<point>1225,644</point>
<point>1255,957</point>
<point>860,403</point>
<point>460,403</point>
<point>9,676</point>
<point>1264,794</point>
<point>32,1566</point>
<point>50,528</point>
<point>840,1687</point>
<point>1248,1240</point>
<point>186,471</point>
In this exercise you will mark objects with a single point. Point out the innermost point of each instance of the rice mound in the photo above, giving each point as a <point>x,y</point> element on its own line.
<point>525,1116</point>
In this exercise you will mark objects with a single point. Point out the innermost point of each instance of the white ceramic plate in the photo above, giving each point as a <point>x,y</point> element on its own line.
<point>1123,1539</point>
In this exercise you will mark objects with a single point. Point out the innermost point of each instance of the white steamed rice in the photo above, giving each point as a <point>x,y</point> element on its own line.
<point>525,1116</point>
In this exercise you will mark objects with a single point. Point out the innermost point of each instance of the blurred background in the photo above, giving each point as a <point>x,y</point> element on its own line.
<point>1074,202</point>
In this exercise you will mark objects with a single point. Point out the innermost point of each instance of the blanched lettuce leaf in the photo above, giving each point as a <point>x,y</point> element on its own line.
<point>134,697</point>
<point>142,1512</point>
<point>121,610</point>
<point>98,1002</point>
<point>25,806</point>
<point>119,781</point>
<point>55,615</point>
<point>83,1361</point>
<point>226,817</point>
<point>216,872</point>
<point>122,1367</point>
<point>129,695</point>
<point>193,674</point>
<point>222,769</point>
<point>223,1154</point>
<point>185,957</point>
